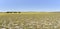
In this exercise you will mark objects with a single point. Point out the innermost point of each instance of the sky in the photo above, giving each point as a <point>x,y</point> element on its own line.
<point>30,5</point>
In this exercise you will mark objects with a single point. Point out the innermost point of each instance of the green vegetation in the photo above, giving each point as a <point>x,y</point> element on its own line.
<point>29,20</point>
<point>12,12</point>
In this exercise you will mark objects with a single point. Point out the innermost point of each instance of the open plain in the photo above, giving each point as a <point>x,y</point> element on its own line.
<point>37,20</point>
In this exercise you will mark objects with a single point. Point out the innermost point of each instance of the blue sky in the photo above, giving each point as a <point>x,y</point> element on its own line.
<point>29,5</point>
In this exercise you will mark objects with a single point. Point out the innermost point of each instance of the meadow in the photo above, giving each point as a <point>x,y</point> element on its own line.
<point>26,20</point>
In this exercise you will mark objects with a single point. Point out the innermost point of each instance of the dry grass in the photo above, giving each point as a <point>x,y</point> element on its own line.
<point>30,21</point>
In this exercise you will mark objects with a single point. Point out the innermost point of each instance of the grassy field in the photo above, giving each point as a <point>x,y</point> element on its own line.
<point>31,20</point>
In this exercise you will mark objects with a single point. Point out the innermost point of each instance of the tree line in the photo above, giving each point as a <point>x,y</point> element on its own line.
<point>13,12</point>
